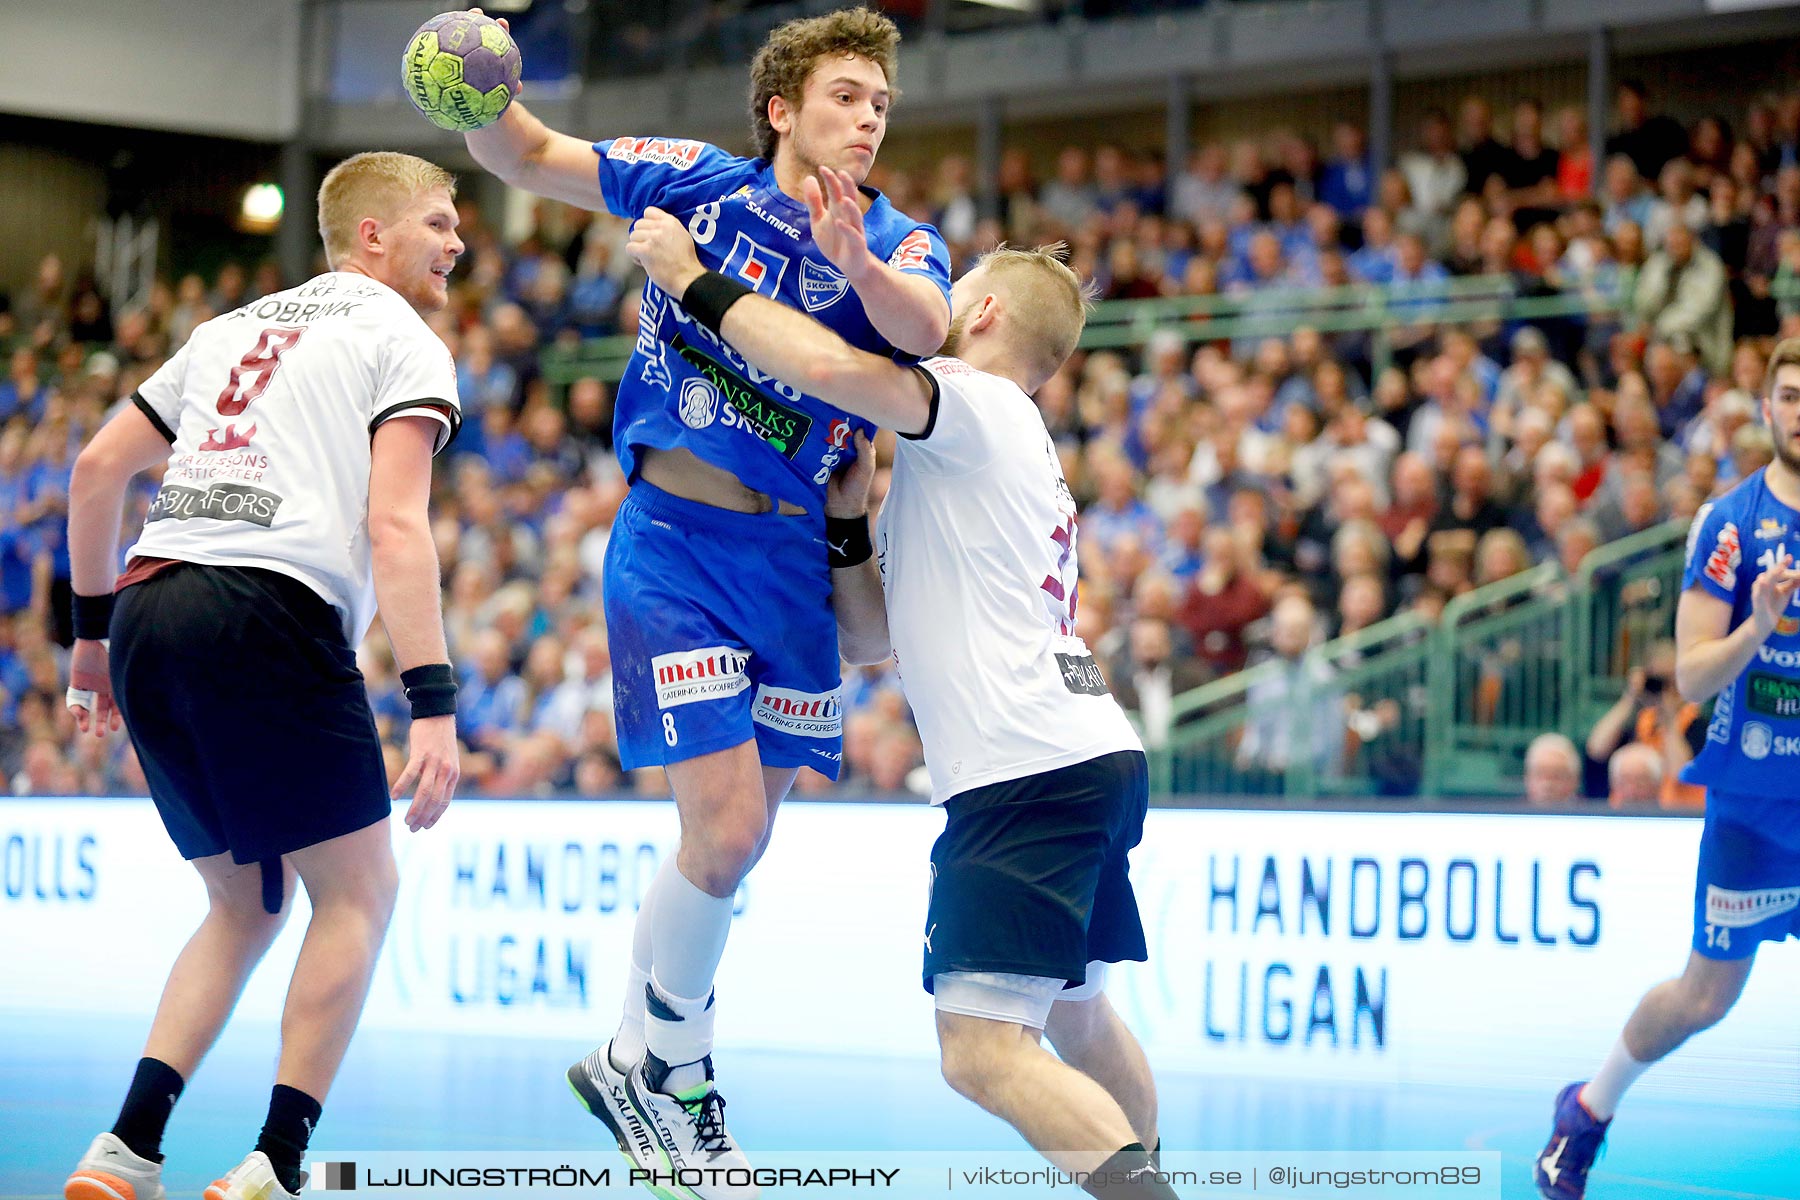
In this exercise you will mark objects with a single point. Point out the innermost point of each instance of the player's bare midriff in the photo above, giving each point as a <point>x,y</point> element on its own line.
<point>682,473</point>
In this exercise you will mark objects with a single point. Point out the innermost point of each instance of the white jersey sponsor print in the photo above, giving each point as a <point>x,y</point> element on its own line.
<point>270,411</point>
<point>977,544</point>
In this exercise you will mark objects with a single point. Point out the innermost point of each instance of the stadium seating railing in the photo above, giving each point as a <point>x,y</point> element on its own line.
<point>1405,708</point>
<point>1633,585</point>
<point>1247,318</point>
<point>1498,680</point>
<point>1250,317</point>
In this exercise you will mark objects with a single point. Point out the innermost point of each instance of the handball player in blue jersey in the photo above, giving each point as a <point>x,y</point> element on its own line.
<point>1737,633</point>
<point>718,592</point>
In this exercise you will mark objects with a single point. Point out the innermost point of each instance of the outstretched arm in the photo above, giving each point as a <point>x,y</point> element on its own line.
<point>528,154</point>
<point>789,345</point>
<point>523,151</point>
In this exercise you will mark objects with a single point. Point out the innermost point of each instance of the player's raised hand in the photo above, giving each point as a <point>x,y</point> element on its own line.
<point>1771,592</point>
<point>433,767</point>
<point>90,689</point>
<point>837,221</point>
<point>660,244</point>
<point>847,492</point>
<point>517,85</point>
<point>500,21</point>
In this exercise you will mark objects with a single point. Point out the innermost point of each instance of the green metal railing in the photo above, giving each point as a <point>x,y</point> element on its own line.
<point>1446,710</point>
<point>598,358</point>
<point>1497,679</point>
<point>1277,312</point>
<point>1352,720</point>
<point>1202,755</point>
<point>1383,675</point>
<point>1632,586</point>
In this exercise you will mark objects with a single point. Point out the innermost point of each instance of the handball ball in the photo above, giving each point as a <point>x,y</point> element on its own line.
<point>461,70</point>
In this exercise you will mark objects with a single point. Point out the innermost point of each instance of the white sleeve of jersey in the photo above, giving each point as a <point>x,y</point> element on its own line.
<point>418,379</point>
<point>159,397</point>
<point>960,434</point>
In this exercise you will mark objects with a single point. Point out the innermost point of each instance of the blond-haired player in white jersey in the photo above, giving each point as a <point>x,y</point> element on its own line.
<point>1042,776</point>
<point>298,433</point>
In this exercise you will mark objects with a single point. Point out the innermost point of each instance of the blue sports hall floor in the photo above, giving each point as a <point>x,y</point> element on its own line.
<point>61,1079</point>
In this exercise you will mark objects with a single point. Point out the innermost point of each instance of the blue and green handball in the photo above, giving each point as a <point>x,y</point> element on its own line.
<point>461,70</point>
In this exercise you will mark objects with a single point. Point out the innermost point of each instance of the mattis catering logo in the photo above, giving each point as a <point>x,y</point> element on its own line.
<point>690,675</point>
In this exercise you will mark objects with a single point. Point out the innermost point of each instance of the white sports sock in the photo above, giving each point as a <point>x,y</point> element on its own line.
<point>1604,1091</point>
<point>687,935</point>
<point>681,1042</point>
<point>627,1045</point>
<point>688,928</point>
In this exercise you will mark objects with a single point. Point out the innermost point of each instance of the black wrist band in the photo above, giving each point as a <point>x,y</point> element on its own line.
<point>707,298</point>
<point>847,540</point>
<point>430,689</point>
<point>93,617</point>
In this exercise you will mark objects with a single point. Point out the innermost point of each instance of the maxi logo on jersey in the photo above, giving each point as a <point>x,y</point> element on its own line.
<point>783,427</point>
<point>756,265</point>
<point>670,152</point>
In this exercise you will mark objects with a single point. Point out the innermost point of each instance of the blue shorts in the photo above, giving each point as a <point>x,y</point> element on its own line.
<point>1747,889</point>
<point>721,631</point>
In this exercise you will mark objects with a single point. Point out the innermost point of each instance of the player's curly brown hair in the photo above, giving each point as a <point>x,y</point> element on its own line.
<point>785,61</point>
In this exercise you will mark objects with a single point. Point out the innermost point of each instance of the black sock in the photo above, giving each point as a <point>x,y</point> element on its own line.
<point>1129,1175</point>
<point>1156,1154</point>
<point>154,1090</point>
<point>293,1115</point>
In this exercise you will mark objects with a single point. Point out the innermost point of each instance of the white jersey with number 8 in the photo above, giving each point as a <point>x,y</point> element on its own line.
<point>270,411</point>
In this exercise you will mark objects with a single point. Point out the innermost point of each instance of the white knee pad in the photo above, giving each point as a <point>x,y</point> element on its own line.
<point>996,996</point>
<point>1092,986</point>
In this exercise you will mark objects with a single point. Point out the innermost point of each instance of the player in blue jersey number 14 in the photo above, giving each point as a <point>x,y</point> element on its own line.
<point>1737,634</point>
<point>717,588</point>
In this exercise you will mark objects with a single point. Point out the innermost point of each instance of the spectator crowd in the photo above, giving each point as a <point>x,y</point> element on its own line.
<point>1241,499</point>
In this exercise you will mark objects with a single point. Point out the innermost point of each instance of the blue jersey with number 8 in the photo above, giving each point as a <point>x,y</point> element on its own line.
<point>684,388</point>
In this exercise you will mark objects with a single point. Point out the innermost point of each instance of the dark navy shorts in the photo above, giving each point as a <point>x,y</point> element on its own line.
<point>1030,875</point>
<point>1747,888</point>
<point>247,711</point>
<point>721,631</point>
